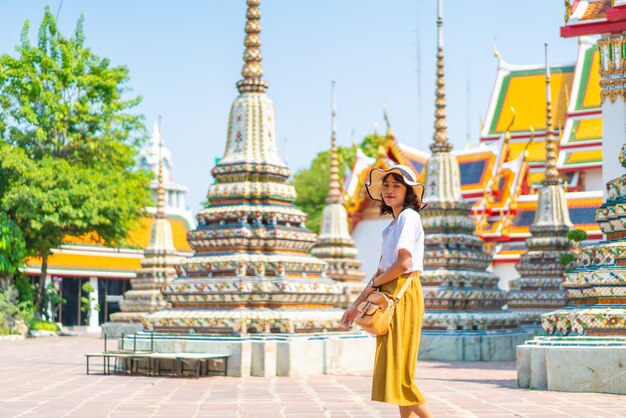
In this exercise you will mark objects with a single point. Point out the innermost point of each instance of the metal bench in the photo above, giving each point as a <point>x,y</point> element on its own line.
<point>199,362</point>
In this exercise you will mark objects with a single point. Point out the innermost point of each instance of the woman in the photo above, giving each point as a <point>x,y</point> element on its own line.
<point>402,253</point>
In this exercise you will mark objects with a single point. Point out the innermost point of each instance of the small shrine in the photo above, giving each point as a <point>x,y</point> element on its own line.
<point>334,243</point>
<point>538,290</point>
<point>583,348</point>
<point>251,290</point>
<point>464,319</point>
<point>157,269</point>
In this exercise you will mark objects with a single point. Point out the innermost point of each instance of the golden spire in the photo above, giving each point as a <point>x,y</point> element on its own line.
<point>252,70</point>
<point>160,210</point>
<point>334,193</point>
<point>551,174</point>
<point>441,126</point>
<point>386,117</point>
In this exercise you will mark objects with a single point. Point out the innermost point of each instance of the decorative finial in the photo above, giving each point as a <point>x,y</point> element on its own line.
<point>160,211</point>
<point>334,193</point>
<point>496,53</point>
<point>441,126</point>
<point>386,117</point>
<point>252,71</point>
<point>507,133</point>
<point>529,143</point>
<point>551,174</point>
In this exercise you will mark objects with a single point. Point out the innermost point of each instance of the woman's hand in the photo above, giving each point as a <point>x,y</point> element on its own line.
<point>349,315</point>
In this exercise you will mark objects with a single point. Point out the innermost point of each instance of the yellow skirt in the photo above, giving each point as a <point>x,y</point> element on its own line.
<point>396,352</point>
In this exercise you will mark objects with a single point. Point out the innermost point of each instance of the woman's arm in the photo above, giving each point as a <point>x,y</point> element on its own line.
<point>366,291</point>
<point>351,312</point>
<point>402,263</point>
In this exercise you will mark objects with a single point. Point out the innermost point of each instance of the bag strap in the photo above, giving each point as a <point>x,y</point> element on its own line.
<point>406,285</point>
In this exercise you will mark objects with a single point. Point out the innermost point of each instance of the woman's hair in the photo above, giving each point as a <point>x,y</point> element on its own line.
<point>410,200</point>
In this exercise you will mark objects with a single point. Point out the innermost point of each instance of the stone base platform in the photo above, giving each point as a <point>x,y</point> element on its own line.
<point>269,355</point>
<point>471,345</point>
<point>573,364</point>
<point>116,329</point>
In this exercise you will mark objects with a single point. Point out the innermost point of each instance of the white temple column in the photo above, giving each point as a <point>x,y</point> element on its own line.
<point>614,136</point>
<point>93,314</point>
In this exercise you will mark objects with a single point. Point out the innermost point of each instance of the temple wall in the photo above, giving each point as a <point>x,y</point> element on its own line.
<point>367,237</point>
<point>505,271</point>
<point>614,132</point>
<point>593,180</point>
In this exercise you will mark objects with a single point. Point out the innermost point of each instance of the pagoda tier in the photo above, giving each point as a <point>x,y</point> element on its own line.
<point>250,271</point>
<point>157,266</point>
<point>458,293</point>
<point>597,289</point>
<point>334,244</point>
<point>538,290</point>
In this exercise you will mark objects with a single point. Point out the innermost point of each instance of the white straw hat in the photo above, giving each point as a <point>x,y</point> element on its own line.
<point>375,184</point>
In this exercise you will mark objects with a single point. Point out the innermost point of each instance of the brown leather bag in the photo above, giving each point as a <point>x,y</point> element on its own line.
<point>376,311</point>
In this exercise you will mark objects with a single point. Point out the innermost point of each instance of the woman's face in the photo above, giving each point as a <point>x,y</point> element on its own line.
<point>394,192</point>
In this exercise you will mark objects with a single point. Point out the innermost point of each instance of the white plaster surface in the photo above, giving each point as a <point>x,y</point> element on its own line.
<point>586,369</point>
<point>367,236</point>
<point>116,329</point>
<point>572,368</point>
<point>293,357</point>
<point>505,270</point>
<point>93,299</point>
<point>613,137</point>
<point>456,346</point>
<point>593,179</point>
<point>264,356</point>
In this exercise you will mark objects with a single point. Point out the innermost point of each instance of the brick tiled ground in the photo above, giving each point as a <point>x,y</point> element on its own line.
<point>46,377</point>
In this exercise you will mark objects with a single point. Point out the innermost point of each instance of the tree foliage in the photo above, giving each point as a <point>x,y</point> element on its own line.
<point>312,183</point>
<point>67,155</point>
<point>12,247</point>
<point>59,99</point>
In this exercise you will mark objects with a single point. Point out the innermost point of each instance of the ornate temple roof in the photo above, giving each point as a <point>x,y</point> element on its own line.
<point>85,256</point>
<point>508,171</point>
<point>590,17</point>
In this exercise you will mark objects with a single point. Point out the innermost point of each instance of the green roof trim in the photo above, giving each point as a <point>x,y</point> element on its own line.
<point>584,79</point>
<point>505,88</point>
<point>572,134</point>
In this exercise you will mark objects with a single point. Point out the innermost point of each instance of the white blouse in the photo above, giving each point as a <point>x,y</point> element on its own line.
<point>405,232</point>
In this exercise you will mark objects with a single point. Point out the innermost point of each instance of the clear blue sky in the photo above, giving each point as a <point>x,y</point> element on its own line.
<point>185,57</point>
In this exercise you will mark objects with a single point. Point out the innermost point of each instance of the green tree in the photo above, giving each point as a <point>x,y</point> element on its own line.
<point>67,155</point>
<point>312,184</point>
<point>57,98</point>
<point>12,249</point>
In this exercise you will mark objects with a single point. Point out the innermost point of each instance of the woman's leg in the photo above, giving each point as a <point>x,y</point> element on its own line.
<point>405,412</point>
<point>412,411</point>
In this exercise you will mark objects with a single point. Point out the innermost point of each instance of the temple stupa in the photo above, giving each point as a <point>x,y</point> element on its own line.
<point>538,290</point>
<point>464,319</point>
<point>334,244</point>
<point>583,348</point>
<point>251,272</point>
<point>157,268</point>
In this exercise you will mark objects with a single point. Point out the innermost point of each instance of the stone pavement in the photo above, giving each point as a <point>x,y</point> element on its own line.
<point>45,377</point>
